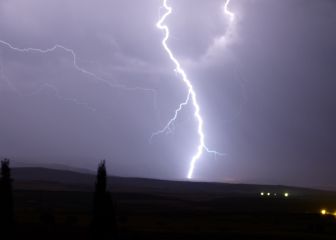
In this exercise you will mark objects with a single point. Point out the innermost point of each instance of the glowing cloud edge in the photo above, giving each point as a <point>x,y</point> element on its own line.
<point>230,14</point>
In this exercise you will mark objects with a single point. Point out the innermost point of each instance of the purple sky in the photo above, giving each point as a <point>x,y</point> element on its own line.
<point>267,92</point>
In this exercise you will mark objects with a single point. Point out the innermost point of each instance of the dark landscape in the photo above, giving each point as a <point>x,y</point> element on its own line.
<point>57,204</point>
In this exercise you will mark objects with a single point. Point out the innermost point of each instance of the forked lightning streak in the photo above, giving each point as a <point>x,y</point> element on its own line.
<point>191,97</point>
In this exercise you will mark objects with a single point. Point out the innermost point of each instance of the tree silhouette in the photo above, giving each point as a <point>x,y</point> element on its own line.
<point>103,222</point>
<point>6,197</point>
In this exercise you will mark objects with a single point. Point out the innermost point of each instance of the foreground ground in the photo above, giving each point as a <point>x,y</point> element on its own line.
<point>148,209</point>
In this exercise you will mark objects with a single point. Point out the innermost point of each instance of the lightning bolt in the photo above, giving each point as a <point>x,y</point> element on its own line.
<point>40,89</point>
<point>5,78</point>
<point>227,11</point>
<point>80,69</point>
<point>192,97</point>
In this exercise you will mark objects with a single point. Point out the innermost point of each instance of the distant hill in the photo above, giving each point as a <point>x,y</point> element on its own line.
<point>53,179</point>
<point>54,166</point>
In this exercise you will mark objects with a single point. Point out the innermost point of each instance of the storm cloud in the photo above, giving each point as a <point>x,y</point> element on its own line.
<point>266,86</point>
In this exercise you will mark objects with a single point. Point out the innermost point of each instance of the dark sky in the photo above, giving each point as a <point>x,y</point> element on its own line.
<point>266,85</point>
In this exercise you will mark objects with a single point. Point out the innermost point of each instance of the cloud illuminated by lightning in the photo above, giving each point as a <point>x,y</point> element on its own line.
<point>223,40</point>
<point>227,11</point>
<point>191,94</point>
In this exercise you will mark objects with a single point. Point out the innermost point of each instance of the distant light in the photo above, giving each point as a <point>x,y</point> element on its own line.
<point>323,212</point>
<point>335,214</point>
<point>262,193</point>
<point>275,194</point>
<point>286,194</point>
<point>268,194</point>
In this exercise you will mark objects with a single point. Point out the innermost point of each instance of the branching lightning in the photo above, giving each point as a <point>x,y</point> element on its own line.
<point>78,68</point>
<point>40,89</point>
<point>191,94</point>
<point>173,119</point>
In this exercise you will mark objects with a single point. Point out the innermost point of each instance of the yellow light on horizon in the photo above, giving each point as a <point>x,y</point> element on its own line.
<point>262,193</point>
<point>323,212</point>
<point>268,194</point>
<point>286,194</point>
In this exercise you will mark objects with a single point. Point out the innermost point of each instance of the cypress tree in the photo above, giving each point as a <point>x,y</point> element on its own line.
<point>6,197</point>
<point>103,222</point>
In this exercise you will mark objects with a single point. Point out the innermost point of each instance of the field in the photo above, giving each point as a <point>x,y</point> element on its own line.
<point>54,204</point>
